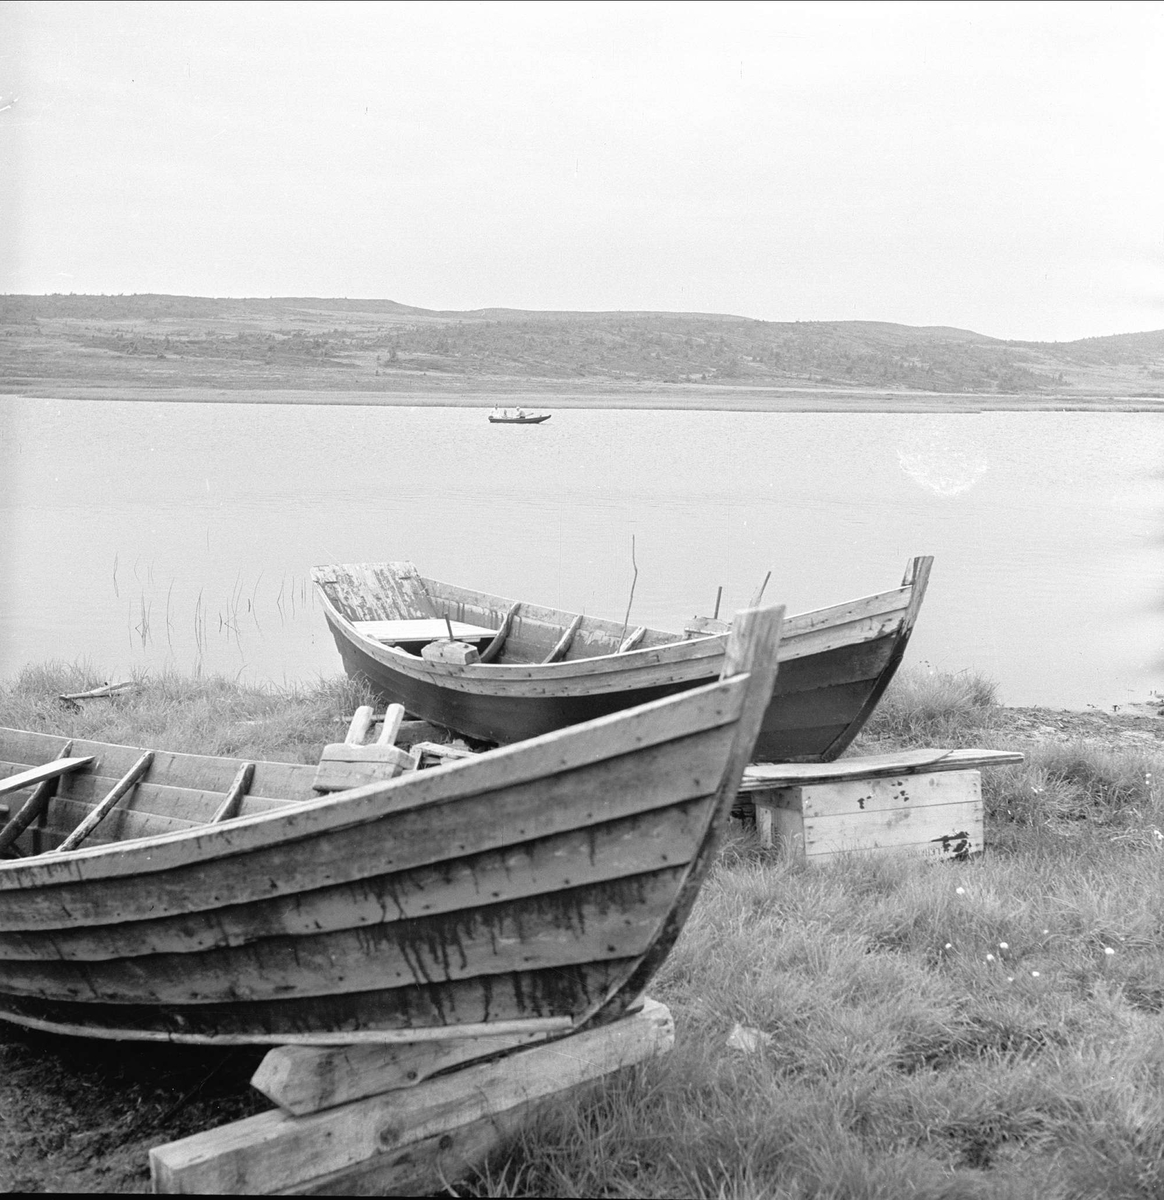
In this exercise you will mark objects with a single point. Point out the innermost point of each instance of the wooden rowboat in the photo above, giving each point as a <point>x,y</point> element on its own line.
<point>531,889</point>
<point>540,669</point>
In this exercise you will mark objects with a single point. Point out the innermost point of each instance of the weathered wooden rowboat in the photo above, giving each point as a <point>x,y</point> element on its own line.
<point>541,669</point>
<point>534,888</point>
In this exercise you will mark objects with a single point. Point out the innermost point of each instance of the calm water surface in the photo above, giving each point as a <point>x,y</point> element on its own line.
<point>147,535</point>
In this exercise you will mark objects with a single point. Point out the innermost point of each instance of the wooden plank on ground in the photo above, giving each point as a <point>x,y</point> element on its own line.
<point>761,776</point>
<point>274,1152</point>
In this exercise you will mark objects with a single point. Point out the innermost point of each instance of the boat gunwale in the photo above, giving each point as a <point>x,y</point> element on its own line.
<point>367,803</point>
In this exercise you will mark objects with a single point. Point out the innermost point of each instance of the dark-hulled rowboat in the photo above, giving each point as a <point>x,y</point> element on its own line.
<point>543,669</point>
<point>534,888</point>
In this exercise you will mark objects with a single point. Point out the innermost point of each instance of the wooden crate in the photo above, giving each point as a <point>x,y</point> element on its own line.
<point>374,1120</point>
<point>922,802</point>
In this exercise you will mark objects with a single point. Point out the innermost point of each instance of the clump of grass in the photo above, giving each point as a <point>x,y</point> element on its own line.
<point>1061,784</point>
<point>923,706</point>
<point>199,715</point>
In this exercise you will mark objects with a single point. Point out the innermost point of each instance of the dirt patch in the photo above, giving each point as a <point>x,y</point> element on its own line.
<point>78,1115</point>
<point>1128,727</point>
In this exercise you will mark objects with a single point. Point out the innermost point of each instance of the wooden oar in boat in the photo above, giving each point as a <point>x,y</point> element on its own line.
<point>45,777</point>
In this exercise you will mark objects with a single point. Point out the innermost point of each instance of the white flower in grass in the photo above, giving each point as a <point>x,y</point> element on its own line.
<point>1010,979</point>
<point>1108,950</point>
<point>1034,974</point>
<point>960,891</point>
<point>990,958</point>
<point>949,945</point>
<point>1003,946</point>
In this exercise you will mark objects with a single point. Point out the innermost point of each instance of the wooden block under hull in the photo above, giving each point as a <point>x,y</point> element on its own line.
<point>412,1141</point>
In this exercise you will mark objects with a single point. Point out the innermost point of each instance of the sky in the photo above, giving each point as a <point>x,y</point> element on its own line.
<point>997,167</point>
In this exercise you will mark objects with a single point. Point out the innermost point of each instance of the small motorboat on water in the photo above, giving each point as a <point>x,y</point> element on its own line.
<point>517,416</point>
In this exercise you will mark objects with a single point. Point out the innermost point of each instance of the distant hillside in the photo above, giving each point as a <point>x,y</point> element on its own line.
<point>189,341</point>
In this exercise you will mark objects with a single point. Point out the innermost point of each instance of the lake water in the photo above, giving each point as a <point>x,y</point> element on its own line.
<point>147,535</point>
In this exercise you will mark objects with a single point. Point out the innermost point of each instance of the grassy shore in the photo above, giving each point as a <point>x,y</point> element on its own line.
<point>937,1030</point>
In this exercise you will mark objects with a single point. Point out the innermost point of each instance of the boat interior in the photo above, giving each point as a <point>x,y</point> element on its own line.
<point>393,605</point>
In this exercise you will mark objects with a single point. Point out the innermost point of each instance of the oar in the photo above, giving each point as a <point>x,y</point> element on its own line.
<point>36,803</point>
<point>755,600</point>
<point>123,785</point>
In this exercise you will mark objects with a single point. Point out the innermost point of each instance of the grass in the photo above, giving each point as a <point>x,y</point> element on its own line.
<point>946,1031</point>
<point>211,715</point>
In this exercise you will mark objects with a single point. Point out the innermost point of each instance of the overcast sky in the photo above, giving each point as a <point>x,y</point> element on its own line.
<point>995,167</point>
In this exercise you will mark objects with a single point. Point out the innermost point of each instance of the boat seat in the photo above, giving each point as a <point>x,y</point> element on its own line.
<point>426,629</point>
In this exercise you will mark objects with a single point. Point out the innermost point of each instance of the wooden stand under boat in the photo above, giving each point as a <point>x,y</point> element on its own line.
<point>540,669</point>
<point>372,1120</point>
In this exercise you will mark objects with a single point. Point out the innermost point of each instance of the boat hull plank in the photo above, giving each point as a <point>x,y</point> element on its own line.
<point>657,839</point>
<point>465,1002</point>
<point>658,778</point>
<point>614,919</point>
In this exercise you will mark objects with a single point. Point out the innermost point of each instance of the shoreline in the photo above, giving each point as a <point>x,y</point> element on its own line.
<point>673,398</point>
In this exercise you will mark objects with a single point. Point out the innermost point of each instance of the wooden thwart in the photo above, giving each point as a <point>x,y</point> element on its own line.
<point>390,633</point>
<point>562,645</point>
<point>234,798</point>
<point>405,1139</point>
<point>123,786</point>
<point>494,648</point>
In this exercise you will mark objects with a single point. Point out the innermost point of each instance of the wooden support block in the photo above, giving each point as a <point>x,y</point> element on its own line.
<point>439,752</point>
<point>411,732</point>
<point>458,654</point>
<point>343,766</point>
<point>403,1142</point>
<point>938,813</point>
<point>307,1079</point>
